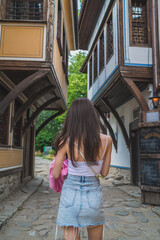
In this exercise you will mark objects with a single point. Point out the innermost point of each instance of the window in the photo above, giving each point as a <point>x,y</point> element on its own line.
<point>24,9</point>
<point>95,64</point>
<point>139,34</point>
<point>109,38</point>
<point>4,120</point>
<point>90,73</point>
<point>17,131</point>
<point>101,52</point>
<point>59,28</point>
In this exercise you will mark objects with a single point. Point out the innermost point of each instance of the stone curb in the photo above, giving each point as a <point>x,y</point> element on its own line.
<point>10,206</point>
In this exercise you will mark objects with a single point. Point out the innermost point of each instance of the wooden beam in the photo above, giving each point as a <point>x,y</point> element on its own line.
<point>107,125</point>
<point>47,121</point>
<point>136,93</point>
<point>38,111</point>
<point>104,130</point>
<point>28,103</point>
<point>116,115</point>
<point>21,87</point>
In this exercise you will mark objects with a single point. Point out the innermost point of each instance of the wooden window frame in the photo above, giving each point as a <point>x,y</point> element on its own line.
<point>101,50</point>
<point>43,15</point>
<point>90,72</point>
<point>95,63</point>
<point>148,26</point>
<point>111,55</point>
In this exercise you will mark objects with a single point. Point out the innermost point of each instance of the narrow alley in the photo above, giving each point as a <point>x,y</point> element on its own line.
<point>126,217</point>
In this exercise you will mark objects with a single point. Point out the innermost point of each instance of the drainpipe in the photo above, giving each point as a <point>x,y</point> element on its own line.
<point>154,50</point>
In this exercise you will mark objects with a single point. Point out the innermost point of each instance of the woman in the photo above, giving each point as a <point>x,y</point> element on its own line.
<point>89,153</point>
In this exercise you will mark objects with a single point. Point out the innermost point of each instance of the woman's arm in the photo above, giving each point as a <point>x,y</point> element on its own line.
<point>107,159</point>
<point>59,161</point>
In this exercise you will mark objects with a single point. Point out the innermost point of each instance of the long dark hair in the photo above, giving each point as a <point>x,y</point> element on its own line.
<point>81,126</point>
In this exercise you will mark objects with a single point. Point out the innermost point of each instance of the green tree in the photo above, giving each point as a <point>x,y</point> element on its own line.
<point>77,88</point>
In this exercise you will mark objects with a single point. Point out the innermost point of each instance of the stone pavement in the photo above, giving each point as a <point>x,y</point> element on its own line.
<point>35,216</point>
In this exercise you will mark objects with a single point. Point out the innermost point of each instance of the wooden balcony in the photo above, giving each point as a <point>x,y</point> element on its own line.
<point>30,46</point>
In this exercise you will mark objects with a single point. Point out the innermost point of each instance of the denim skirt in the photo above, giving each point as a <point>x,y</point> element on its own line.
<point>81,202</point>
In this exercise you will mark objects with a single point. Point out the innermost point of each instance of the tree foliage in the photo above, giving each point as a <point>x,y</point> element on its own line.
<point>77,88</point>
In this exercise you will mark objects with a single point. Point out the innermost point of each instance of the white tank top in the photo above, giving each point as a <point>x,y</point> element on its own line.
<point>82,169</point>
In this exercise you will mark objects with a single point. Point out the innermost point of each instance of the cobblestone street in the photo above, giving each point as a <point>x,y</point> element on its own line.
<point>126,217</point>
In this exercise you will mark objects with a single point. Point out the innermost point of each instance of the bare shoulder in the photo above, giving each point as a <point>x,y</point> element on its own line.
<point>103,139</point>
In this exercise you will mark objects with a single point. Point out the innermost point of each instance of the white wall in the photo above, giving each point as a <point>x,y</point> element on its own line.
<point>110,67</point>
<point>121,158</point>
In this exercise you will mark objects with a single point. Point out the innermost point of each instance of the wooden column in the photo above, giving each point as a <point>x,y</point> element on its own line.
<point>116,115</point>
<point>108,126</point>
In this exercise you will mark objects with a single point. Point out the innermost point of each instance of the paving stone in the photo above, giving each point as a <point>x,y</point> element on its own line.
<point>122,213</point>
<point>156,210</point>
<point>40,227</point>
<point>43,232</point>
<point>133,204</point>
<point>141,216</point>
<point>32,233</point>
<point>33,217</point>
<point>132,233</point>
<point>121,238</point>
<point>24,224</point>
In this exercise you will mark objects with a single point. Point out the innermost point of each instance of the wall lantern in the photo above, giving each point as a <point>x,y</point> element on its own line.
<point>155,101</point>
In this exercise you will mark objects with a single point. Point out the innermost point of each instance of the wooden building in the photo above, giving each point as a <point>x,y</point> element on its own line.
<point>123,66</point>
<point>36,37</point>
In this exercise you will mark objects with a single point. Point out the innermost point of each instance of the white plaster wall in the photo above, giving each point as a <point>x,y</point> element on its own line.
<point>112,64</point>
<point>140,56</point>
<point>121,158</point>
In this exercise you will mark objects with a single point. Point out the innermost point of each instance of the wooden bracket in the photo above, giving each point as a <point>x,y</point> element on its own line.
<point>21,87</point>
<point>48,120</point>
<point>136,93</point>
<point>116,115</point>
<point>38,111</point>
<point>107,125</point>
<point>28,103</point>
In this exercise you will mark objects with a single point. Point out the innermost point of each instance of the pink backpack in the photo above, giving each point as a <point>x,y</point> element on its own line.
<point>56,184</point>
